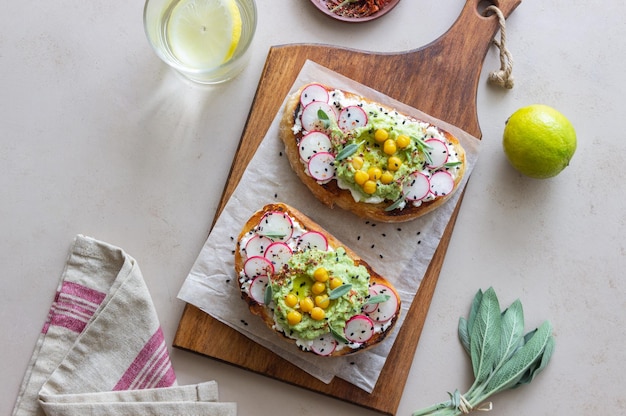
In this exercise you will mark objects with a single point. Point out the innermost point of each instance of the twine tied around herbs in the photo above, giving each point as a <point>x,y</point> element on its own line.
<point>466,408</point>
<point>501,77</point>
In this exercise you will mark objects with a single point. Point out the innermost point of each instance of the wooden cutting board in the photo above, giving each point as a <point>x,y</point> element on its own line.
<point>440,79</point>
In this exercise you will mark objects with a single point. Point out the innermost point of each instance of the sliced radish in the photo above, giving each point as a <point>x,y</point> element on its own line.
<point>278,254</point>
<point>441,183</point>
<point>352,117</point>
<point>324,345</point>
<point>257,266</point>
<point>370,307</point>
<point>310,116</point>
<point>257,289</point>
<point>416,186</point>
<point>313,92</point>
<point>384,310</point>
<point>359,329</point>
<point>256,245</point>
<point>312,240</point>
<point>275,225</point>
<point>321,167</point>
<point>438,153</point>
<point>312,143</point>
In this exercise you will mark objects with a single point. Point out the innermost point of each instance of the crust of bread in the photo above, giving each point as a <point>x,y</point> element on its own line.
<point>330,194</point>
<point>309,225</point>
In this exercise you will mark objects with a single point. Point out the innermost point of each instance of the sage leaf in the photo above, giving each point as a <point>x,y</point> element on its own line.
<point>321,114</point>
<point>513,370</point>
<point>396,204</point>
<point>274,236</point>
<point>268,295</point>
<point>512,330</point>
<point>348,150</point>
<point>538,365</point>
<point>485,336</point>
<point>377,299</point>
<point>338,336</point>
<point>464,335</point>
<point>339,291</point>
<point>502,356</point>
<point>474,310</point>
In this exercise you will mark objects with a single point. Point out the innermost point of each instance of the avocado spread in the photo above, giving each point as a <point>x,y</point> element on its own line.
<point>388,149</point>
<point>305,288</point>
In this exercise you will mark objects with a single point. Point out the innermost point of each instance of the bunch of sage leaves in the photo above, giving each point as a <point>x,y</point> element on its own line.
<point>502,356</point>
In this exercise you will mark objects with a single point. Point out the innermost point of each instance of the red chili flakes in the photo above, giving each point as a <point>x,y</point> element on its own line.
<point>355,9</point>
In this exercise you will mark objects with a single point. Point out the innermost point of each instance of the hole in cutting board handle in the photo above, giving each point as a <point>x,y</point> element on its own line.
<point>483,4</point>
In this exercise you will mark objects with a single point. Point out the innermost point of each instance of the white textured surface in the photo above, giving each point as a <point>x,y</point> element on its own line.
<point>100,138</point>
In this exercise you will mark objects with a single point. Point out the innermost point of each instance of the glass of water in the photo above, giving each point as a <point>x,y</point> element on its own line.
<point>207,41</point>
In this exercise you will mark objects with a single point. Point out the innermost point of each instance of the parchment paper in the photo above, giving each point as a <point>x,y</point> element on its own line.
<point>400,252</point>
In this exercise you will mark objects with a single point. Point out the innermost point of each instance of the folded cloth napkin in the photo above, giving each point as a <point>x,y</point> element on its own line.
<point>101,350</point>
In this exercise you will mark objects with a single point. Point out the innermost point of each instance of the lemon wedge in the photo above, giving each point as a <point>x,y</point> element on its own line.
<point>204,33</point>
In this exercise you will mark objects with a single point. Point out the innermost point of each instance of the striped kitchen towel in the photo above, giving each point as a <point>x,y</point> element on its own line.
<point>101,350</point>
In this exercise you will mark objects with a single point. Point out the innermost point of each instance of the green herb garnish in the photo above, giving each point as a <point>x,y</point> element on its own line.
<point>395,205</point>
<point>268,295</point>
<point>274,236</point>
<point>453,164</point>
<point>502,356</point>
<point>377,299</point>
<point>339,291</point>
<point>348,150</point>
<point>424,148</point>
<point>321,114</point>
<point>338,335</point>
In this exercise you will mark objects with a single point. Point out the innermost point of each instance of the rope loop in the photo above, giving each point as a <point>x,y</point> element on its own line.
<point>501,77</point>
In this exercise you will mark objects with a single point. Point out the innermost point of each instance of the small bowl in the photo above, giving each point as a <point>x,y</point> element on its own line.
<point>322,5</point>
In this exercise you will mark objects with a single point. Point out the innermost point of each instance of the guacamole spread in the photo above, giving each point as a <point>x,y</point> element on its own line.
<point>305,293</point>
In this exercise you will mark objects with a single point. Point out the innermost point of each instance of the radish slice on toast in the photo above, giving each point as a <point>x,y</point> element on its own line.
<point>313,92</point>
<point>352,117</point>
<point>359,329</point>
<point>278,254</point>
<point>416,186</point>
<point>441,183</point>
<point>438,153</point>
<point>312,240</point>
<point>257,245</point>
<point>275,225</point>
<point>321,167</point>
<point>257,288</point>
<point>324,345</point>
<point>310,117</point>
<point>257,266</point>
<point>370,307</point>
<point>384,310</point>
<point>312,143</point>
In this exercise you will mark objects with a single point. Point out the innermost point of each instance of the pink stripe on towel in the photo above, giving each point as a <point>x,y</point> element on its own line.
<point>151,368</point>
<point>73,307</point>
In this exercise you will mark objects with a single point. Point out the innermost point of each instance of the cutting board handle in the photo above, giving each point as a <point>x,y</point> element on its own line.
<point>452,65</point>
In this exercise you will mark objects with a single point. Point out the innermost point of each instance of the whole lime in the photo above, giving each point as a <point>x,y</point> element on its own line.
<point>539,141</point>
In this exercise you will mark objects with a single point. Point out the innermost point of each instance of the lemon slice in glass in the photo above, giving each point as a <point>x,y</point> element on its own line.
<point>204,33</point>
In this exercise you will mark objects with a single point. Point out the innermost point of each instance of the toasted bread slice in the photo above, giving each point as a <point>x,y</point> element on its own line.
<point>309,287</point>
<point>368,158</point>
